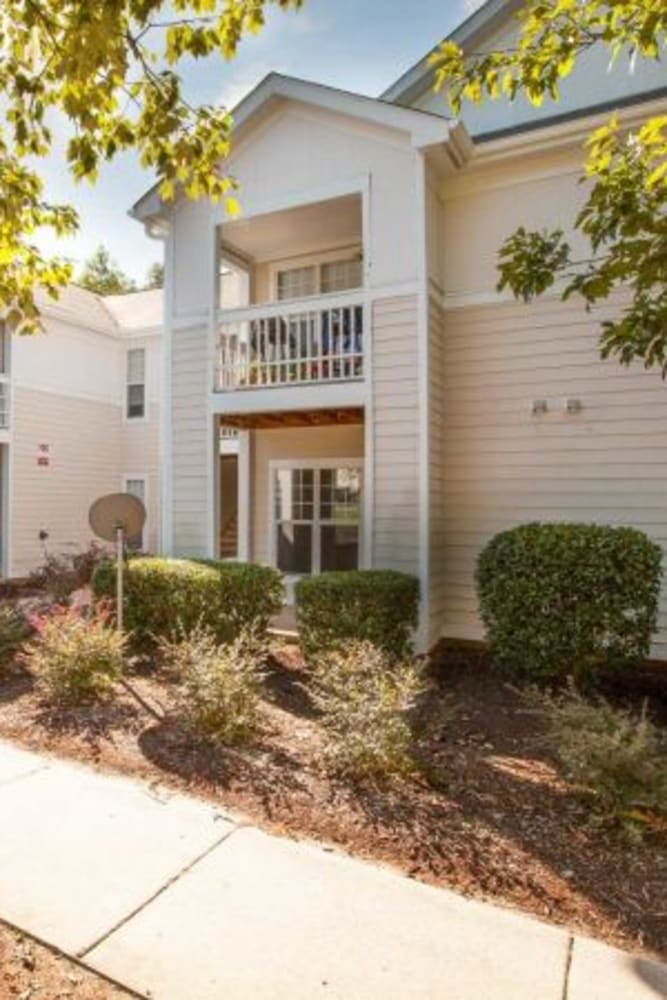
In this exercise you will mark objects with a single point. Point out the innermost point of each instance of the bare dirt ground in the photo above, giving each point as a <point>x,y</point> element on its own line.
<point>487,815</point>
<point>30,971</point>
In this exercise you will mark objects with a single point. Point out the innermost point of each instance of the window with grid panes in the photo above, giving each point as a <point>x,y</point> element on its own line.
<point>316,519</point>
<point>297,282</point>
<point>340,276</point>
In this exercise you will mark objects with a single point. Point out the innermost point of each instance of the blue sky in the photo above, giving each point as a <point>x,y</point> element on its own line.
<point>361,45</point>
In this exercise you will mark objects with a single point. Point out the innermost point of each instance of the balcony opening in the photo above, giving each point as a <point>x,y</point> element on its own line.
<point>291,297</point>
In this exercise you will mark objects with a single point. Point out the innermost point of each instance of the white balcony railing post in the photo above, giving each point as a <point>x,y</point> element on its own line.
<point>291,343</point>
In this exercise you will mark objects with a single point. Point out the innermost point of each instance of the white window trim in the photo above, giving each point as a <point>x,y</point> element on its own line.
<point>278,464</point>
<point>343,254</point>
<point>127,476</point>
<point>126,417</point>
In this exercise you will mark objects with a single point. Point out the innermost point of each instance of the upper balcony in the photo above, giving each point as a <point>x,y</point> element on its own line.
<point>292,307</point>
<point>302,341</point>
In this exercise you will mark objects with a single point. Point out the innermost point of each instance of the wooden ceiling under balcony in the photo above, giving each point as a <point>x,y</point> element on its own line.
<point>280,419</point>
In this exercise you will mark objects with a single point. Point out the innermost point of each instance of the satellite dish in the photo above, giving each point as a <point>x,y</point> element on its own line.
<point>117,512</point>
<point>115,517</point>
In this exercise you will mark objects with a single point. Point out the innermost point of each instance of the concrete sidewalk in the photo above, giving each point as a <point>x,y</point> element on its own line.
<point>177,900</point>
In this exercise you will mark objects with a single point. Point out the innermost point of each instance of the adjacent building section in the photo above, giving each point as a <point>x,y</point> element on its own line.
<point>83,420</point>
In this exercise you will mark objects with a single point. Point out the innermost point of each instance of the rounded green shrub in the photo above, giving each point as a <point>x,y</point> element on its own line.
<point>165,598</point>
<point>568,599</point>
<point>377,606</point>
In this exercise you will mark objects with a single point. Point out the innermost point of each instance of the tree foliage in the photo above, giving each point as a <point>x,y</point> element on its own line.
<point>624,216</point>
<point>102,275</point>
<point>155,276</point>
<point>111,69</point>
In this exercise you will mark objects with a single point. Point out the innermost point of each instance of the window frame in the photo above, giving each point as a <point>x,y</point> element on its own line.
<point>317,522</point>
<point>345,255</point>
<point>128,385</point>
<point>143,476</point>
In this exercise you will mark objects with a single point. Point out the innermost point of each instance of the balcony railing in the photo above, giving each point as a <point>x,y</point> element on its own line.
<point>291,343</point>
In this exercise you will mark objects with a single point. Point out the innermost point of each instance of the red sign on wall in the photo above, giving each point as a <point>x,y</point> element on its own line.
<point>44,455</point>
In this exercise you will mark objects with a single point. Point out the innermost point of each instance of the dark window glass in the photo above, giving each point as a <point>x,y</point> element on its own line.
<point>295,548</point>
<point>340,547</point>
<point>135,400</point>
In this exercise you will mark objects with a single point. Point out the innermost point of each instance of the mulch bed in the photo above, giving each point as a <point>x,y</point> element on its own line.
<point>488,816</point>
<point>30,971</point>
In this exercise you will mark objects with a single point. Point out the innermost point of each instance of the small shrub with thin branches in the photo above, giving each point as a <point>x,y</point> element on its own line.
<point>616,756</point>
<point>14,630</point>
<point>221,684</point>
<point>365,697</point>
<point>75,656</point>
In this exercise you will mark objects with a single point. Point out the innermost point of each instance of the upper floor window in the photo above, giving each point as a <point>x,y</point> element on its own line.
<point>319,279</point>
<point>340,275</point>
<point>297,282</point>
<point>136,383</point>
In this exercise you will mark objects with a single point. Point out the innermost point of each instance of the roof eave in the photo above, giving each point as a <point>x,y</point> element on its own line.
<point>422,127</point>
<point>417,79</point>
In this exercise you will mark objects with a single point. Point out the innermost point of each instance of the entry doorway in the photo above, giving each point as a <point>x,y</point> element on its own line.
<point>228,544</point>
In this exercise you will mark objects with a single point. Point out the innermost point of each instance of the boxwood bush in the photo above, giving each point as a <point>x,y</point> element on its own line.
<point>379,606</point>
<point>166,598</point>
<point>568,599</point>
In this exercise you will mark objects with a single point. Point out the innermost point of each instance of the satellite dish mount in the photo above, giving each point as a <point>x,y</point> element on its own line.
<point>115,518</point>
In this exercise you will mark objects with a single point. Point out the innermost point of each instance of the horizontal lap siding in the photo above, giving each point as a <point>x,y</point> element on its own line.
<point>190,441</point>
<point>437,473</point>
<point>140,455</point>
<point>84,439</point>
<point>607,464</point>
<point>395,435</point>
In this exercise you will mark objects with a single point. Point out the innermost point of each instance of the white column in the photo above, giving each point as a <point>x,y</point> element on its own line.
<point>214,506</point>
<point>244,495</point>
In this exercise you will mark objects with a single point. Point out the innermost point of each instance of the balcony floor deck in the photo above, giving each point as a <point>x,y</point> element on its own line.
<point>294,418</point>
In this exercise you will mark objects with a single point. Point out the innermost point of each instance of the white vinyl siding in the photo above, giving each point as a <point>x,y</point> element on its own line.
<point>136,384</point>
<point>502,466</point>
<point>437,471</point>
<point>84,440</point>
<point>191,441</point>
<point>395,434</point>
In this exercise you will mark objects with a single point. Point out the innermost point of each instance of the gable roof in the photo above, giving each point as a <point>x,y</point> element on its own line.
<point>110,314</point>
<point>133,311</point>
<point>78,305</point>
<point>422,127</point>
<point>419,77</point>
